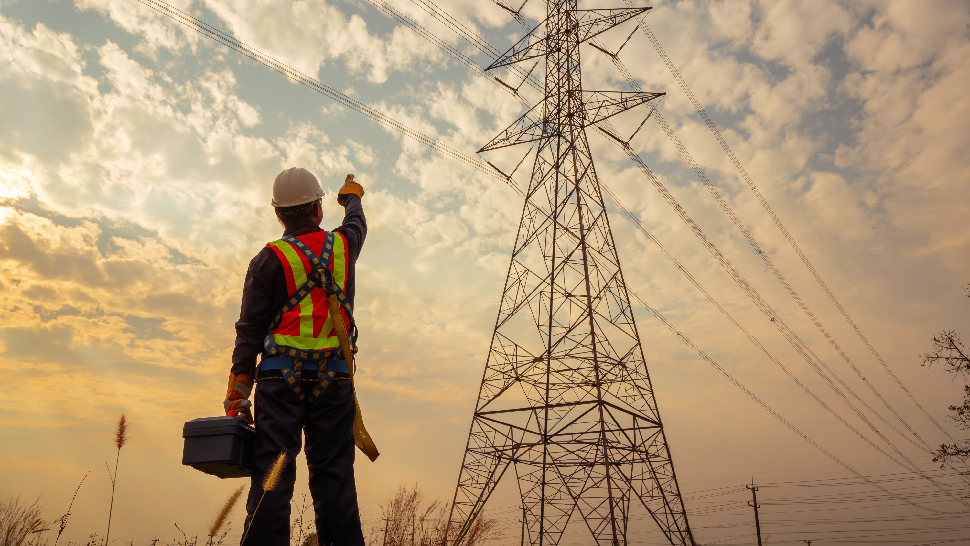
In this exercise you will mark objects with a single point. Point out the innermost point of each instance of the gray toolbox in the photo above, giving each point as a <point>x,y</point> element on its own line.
<point>221,446</point>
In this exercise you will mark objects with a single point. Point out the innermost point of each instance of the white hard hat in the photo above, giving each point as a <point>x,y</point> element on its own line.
<point>295,186</point>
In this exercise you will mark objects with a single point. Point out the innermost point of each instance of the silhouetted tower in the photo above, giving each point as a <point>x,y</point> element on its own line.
<point>566,398</point>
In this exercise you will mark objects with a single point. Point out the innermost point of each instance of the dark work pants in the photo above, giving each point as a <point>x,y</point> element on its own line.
<point>328,424</point>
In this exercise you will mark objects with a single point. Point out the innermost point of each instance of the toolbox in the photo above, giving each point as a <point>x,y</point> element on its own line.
<point>221,446</point>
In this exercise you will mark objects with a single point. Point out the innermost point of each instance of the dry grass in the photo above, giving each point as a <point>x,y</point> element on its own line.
<point>221,517</point>
<point>301,530</point>
<point>20,522</point>
<point>62,521</point>
<point>405,522</point>
<point>121,436</point>
<point>409,521</point>
<point>272,478</point>
<point>270,482</point>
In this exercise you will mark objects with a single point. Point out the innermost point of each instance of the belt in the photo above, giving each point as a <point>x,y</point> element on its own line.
<point>305,370</point>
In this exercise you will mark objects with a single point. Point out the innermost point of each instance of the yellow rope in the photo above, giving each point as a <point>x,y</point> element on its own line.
<point>361,437</point>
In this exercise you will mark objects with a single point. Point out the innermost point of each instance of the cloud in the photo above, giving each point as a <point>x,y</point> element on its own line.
<point>155,29</point>
<point>308,35</point>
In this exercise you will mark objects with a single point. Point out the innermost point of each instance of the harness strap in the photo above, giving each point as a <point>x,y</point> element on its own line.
<point>286,367</point>
<point>319,276</point>
<point>322,265</point>
<point>290,378</point>
<point>362,438</point>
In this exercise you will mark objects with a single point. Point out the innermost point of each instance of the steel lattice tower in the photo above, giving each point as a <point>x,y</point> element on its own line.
<point>565,397</point>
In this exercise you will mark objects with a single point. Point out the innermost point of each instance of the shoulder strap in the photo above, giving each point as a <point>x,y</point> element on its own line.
<point>320,265</point>
<point>319,277</point>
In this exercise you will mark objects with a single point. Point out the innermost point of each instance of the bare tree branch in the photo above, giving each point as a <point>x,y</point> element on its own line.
<point>947,453</point>
<point>948,348</point>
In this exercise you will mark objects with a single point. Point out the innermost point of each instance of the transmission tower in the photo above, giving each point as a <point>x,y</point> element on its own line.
<point>565,397</point>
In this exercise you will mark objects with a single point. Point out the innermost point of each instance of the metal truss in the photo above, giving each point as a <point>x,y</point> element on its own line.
<point>566,399</point>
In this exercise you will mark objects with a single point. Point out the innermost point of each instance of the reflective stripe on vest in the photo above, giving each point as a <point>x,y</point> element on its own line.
<point>309,326</point>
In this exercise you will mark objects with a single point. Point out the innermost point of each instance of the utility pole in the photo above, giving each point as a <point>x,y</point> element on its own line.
<point>809,542</point>
<point>414,521</point>
<point>754,503</point>
<point>386,522</point>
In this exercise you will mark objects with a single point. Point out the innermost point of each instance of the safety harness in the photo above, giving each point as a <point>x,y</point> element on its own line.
<point>291,368</point>
<point>284,357</point>
<point>319,277</point>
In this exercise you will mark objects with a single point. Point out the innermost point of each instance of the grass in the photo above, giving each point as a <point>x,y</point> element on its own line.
<point>406,521</point>
<point>121,437</point>
<point>220,520</point>
<point>20,522</point>
<point>270,481</point>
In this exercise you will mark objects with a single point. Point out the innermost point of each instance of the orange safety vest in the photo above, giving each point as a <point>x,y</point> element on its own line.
<point>304,328</point>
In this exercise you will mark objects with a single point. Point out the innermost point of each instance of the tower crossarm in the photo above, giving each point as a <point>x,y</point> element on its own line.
<point>528,128</point>
<point>599,106</point>
<point>602,105</point>
<point>593,22</point>
<point>590,23</point>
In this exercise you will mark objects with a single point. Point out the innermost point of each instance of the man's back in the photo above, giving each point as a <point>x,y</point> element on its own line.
<point>264,290</point>
<point>297,303</point>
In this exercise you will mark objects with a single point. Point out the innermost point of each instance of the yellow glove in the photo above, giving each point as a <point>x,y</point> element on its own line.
<point>349,188</point>
<point>237,397</point>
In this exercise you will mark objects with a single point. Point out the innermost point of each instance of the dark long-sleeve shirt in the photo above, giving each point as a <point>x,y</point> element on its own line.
<point>264,291</point>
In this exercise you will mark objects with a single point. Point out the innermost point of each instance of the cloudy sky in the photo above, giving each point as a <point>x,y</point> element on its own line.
<point>136,162</point>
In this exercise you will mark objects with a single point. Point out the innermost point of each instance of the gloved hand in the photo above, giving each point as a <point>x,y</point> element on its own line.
<point>237,397</point>
<point>349,188</point>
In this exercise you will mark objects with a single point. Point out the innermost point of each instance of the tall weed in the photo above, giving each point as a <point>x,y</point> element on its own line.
<point>406,522</point>
<point>20,522</point>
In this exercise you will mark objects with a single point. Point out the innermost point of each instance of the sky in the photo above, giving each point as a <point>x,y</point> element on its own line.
<point>136,163</point>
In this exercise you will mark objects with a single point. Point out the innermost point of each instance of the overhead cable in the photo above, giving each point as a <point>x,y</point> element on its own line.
<point>786,332</point>
<point>729,212</point>
<point>775,219</point>
<point>187,20</point>
<point>789,334</point>
<point>727,375</point>
<point>797,343</point>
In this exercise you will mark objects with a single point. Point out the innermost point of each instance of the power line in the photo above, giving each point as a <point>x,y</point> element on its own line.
<point>792,194</point>
<point>771,266</point>
<point>777,221</point>
<point>789,334</point>
<point>187,20</point>
<point>764,405</point>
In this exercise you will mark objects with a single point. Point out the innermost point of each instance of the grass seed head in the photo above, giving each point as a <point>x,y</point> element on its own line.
<point>121,436</point>
<point>273,476</point>
<point>224,513</point>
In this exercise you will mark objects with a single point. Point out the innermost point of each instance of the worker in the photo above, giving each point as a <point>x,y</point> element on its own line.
<point>302,381</point>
